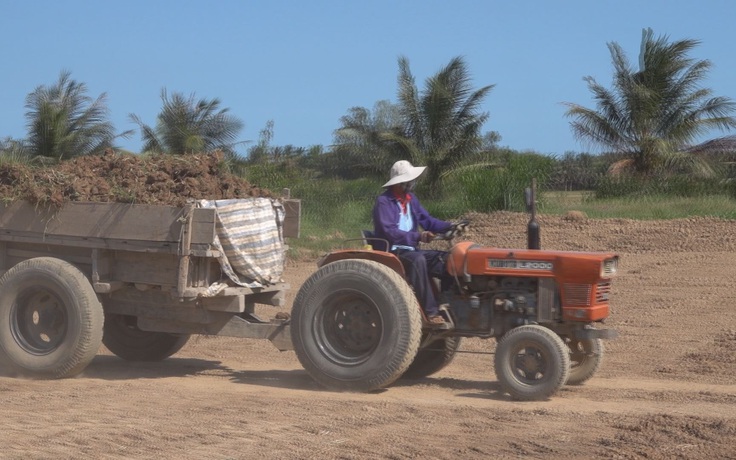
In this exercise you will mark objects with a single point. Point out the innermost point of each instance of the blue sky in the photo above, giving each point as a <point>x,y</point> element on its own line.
<point>303,64</point>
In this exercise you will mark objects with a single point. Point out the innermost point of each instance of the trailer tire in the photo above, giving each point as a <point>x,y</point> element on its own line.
<point>586,357</point>
<point>124,339</point>
<point>433,358</point>
<point>50,319</point>
<point>531,362</point>
<point>356,325</point>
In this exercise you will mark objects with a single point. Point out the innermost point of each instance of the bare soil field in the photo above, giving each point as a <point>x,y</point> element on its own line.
<point>666,390</point>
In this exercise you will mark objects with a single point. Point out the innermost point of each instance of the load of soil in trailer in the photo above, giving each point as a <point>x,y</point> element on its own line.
<point>126,178</point>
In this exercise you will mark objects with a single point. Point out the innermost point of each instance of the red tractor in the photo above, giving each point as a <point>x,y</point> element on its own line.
<point>357,326</point>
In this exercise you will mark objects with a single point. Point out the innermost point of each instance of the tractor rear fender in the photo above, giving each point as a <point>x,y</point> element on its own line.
<point>382,257</point>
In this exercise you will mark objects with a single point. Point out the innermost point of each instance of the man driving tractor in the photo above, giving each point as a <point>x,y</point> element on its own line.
<point>397,217</point>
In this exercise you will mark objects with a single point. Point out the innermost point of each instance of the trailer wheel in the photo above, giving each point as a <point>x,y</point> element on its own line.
<point>123,338</point>
<point>356,325</point>
<point>586,357</point>
<point>433,358</point>
<point>531,362</point>
<point>50,319</point>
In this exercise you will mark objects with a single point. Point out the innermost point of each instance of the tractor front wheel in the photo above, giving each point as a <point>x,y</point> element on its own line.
<point>531,362</point>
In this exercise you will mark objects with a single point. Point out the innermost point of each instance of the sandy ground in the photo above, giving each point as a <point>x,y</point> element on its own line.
<point>666,390</point>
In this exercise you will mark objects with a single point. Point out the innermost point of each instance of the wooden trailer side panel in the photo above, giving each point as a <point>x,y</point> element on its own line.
<point>119,221</point>
<point>114,243</point>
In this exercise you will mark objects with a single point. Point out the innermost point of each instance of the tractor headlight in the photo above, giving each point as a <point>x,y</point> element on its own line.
<point>609,267</point>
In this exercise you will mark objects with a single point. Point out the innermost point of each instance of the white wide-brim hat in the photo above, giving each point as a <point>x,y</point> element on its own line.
<point>402,171</point>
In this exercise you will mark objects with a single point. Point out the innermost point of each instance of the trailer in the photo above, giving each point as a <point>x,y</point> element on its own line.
<point>140,279</point>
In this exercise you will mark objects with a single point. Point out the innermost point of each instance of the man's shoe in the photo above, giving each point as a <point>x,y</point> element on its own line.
<point>438,322</point>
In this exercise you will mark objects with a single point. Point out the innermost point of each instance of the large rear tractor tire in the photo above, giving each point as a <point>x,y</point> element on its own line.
<point>50,319</point>
<point>356,325</point>
<point>531,362</point>
<point>123,338</point>
<point>433,358</point>
<point>586,357</point>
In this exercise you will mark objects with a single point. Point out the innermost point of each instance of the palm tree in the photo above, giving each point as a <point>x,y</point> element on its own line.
<point>186,125</point>
<point>442,124</point>
<point>654,113</point>
<point>362,144</point>
<point>438,128</point>
<point>64,122</point>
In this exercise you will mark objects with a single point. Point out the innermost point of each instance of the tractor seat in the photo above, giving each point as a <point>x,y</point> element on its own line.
<point>378,244</point>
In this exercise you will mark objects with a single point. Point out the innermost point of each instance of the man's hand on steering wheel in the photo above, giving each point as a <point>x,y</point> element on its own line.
<point>427,237</point>
<point>457,229</point>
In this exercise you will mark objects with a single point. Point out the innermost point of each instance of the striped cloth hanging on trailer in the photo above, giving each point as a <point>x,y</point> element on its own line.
<point>249,235</point>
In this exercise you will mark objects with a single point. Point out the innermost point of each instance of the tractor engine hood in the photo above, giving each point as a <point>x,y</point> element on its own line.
<point>467,258</point>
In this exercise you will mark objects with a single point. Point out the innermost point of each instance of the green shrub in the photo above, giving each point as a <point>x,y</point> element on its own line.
<point>336,203</point>
<point>273,176</point>
<point>730,187</point>
<point>501,187</point>
<point>675,186</point>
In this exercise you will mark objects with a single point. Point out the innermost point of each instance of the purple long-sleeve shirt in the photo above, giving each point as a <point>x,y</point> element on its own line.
<point>386,220</point>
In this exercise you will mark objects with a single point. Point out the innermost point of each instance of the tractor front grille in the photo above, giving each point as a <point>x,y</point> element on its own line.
<point>577,294</point>
<point>603,292</point>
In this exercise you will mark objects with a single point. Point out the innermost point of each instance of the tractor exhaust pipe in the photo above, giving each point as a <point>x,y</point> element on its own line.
<point>533,239</point>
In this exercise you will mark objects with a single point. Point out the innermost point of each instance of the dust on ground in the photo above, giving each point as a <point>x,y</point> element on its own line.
<point>666,388</point>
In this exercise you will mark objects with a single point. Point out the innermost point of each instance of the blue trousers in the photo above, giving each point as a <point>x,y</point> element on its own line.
<point>420,267</point>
